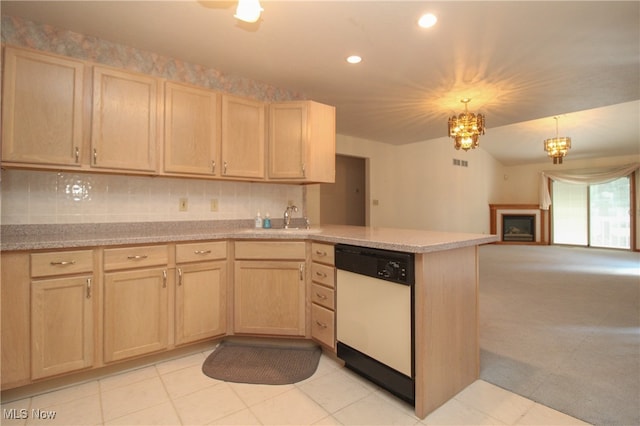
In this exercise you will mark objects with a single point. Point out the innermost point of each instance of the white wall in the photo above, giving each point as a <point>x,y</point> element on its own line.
<point>417,185</point>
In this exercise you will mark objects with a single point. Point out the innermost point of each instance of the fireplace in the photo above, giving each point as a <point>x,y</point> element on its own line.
<point>518,227</point>
<point>519,223</point>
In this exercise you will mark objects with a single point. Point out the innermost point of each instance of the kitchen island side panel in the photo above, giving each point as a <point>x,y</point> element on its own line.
<point>447,352</point>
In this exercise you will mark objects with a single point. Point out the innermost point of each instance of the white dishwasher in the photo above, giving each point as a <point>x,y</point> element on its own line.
<point>375,316</point>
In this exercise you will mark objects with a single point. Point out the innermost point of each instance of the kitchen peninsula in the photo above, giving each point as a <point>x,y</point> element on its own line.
<point>446,289</point>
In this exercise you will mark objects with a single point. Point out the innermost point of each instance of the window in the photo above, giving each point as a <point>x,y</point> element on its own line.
<point>593,215</point>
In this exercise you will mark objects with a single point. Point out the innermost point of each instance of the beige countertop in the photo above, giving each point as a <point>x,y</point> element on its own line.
<point>37,237</point>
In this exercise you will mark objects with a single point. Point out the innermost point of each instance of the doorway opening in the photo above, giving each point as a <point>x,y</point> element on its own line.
<point>344,202</point>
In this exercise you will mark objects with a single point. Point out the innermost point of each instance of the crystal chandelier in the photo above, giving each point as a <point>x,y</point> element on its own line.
<point>466,128</point>
<point>557,147</point>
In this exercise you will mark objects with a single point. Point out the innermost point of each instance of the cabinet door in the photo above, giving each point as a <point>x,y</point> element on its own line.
<point>61,325</point>
<point>269,297</point>
<point>243,137</point>
<point>135,313</point>
<point>125,115</point>
<point>191,143</point>
<point>201,301</point>
<point>302,142</point>
<point>287,139</point>
<point>42,109</point>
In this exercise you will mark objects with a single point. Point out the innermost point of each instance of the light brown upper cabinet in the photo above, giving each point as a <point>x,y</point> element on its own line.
<point>42,109</point>
<point>125,119</point>
<point>191,132</point>
<point>243,137</point>
<point>302,142</point>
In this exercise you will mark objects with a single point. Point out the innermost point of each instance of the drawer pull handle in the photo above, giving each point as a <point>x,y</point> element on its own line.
<point>137,257</point>
<point>321,253</point>
<point>301,270</point>
<point>164,278</point>
<point>77,154</point>
<point>88,288</point>
<point>179,276</point>
<point>321,274</point>
<point>321,296</point>
<point>202,252</point>
<point>63,262</point>
<point>213,167</point>
<point>321,324</point>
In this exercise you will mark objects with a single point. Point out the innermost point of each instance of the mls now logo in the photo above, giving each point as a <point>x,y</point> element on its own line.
<point>21,414</point>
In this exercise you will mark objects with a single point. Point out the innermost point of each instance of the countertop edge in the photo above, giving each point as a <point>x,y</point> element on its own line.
<point>383,238</point>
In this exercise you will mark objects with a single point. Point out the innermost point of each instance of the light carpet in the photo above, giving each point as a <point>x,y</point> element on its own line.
<point>561,326</point>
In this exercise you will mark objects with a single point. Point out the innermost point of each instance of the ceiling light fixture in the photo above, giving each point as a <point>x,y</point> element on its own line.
<point>557,147</point>
<point>248,10</point>
<point>466,128</point>
<point>427,20</point>
<point>354,59</point>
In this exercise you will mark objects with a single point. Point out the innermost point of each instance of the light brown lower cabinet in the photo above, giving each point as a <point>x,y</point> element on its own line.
<point>269,297</point>
<point>62,312</point>
<point>201,300</point>
<point>135,313</point>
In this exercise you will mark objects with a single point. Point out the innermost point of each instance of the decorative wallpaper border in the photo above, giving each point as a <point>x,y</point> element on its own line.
<point>20,32</point>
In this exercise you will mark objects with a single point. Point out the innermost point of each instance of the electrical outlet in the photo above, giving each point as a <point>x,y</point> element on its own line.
<point>183,205</point>
<point>214,204</point>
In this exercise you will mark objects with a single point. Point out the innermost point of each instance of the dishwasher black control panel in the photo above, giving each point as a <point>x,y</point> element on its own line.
<point>388,265</point>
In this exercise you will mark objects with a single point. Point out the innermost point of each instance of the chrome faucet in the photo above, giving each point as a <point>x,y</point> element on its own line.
<point>287,215</point>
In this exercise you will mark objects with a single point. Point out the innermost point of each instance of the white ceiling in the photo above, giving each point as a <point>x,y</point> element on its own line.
<point>521,63</point>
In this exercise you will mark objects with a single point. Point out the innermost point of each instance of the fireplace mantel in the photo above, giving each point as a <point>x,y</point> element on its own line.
<point>541,221</point>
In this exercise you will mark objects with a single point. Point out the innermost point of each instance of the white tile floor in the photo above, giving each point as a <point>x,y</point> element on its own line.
<point>176,392</point>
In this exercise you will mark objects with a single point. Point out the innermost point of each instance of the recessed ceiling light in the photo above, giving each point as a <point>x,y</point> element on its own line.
<point>427,20</point>
<point>354,59</point>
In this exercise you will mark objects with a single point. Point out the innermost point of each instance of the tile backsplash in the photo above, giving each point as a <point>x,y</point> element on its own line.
<point>40,197</point>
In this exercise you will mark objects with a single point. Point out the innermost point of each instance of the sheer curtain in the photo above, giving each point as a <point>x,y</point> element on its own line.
<point>583,177</point>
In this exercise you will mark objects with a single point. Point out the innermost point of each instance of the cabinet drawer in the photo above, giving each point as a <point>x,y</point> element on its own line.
<point>201,251</point>
<point>135,257</point>
<point>323,274</point>
<point>323,253</point>
<point>62,262</point>
<point>270,250</point>
<point>323,325</point>
<point>323,296</point>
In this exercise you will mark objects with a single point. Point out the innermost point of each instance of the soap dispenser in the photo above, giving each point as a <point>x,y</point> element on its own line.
<point>258,220</point>
<point>266,223</point>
